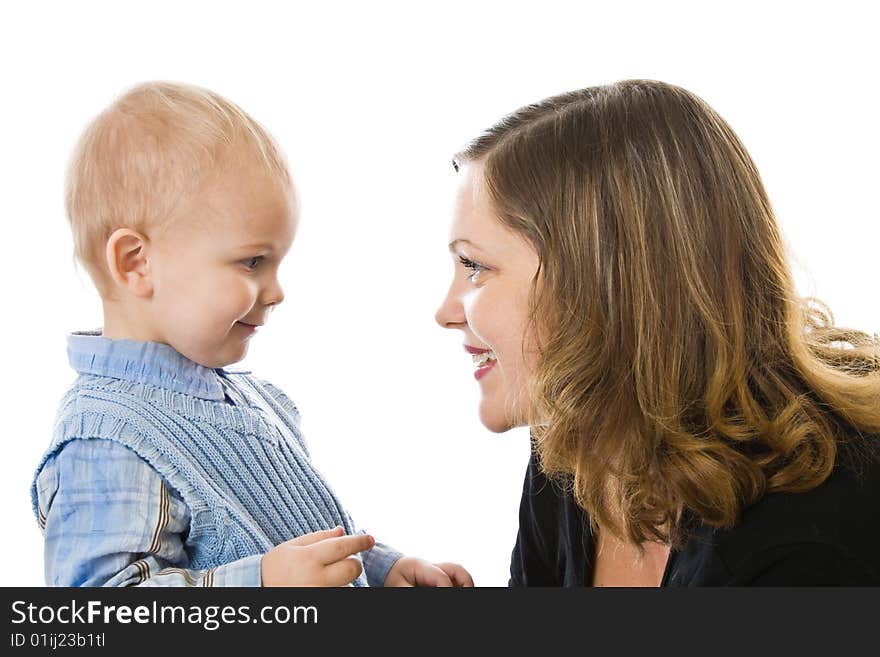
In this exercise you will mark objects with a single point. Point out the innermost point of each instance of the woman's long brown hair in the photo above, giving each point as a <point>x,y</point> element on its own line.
<point>679,370</point>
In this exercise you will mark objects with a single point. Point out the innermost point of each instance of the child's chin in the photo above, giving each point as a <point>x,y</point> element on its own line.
<point>234,359</point>
<point>213,361</point>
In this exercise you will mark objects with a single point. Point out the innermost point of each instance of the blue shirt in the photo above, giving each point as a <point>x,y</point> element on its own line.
<point>116,497</point>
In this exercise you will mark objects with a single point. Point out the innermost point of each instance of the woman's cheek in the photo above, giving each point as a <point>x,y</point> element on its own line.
<point>470,303</point>
<point>485,314</point>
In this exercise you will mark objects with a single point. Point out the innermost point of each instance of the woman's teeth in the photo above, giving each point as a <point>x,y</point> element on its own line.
<point>483,358</point>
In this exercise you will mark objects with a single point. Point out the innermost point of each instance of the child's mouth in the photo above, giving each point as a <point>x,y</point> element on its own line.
<point>250,328</point>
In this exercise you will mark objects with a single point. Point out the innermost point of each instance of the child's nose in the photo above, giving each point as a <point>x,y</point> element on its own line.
<point>273,294</point>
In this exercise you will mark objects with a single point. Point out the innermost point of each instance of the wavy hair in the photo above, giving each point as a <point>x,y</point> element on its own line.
<point>679,372</point>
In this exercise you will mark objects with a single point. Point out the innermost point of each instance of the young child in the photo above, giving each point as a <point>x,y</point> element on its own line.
<point>165,468</point>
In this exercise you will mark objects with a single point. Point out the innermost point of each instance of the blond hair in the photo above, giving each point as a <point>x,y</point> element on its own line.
<point>679,371</point>
<point>140,157</point>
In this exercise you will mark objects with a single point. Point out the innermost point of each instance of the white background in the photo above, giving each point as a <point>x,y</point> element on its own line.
<point>370,100</point>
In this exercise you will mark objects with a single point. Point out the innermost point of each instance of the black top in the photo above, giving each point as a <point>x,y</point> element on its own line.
<point>828,536</point>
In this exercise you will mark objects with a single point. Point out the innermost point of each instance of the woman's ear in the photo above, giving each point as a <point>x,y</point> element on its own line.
<point>127,262</point>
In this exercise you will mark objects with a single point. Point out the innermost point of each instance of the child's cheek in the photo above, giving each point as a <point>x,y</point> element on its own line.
<point>241,297</point>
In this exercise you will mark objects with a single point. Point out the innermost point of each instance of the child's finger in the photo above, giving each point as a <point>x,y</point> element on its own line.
<point>314,537</point>
<point>431,575</point>
<point>335,549</point>
<point>343,572</point>
<point>458,575</point>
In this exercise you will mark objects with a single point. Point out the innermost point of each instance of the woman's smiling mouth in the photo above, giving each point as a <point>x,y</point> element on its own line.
<point>484,359</point>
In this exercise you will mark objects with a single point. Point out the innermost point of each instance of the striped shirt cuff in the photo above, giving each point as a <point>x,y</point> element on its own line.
<point>241,572</point>
<point>378,560</point>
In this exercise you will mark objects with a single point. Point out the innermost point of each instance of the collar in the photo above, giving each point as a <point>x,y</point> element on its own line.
<point>152,363</point>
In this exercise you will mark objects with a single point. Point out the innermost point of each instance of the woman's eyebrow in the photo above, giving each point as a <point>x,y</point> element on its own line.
<point>458,241</point>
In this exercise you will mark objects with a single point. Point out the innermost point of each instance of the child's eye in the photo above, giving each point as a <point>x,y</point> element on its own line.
<point>475,267</point>
<point>252,263</point>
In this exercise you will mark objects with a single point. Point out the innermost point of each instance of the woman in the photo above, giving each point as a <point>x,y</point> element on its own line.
<point>622,285</point>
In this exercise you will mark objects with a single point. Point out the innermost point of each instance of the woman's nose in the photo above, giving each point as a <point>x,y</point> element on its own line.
<point>450,314</point>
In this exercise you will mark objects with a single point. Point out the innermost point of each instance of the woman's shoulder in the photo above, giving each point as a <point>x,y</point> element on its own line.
<point>833,527</point>
<point>553,542</point>
<point>833,508</point>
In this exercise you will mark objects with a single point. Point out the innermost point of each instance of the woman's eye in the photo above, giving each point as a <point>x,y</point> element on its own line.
<point>475,267</point>
<point>252,263</point>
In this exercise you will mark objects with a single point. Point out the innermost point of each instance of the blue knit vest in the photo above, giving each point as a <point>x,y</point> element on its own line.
<point>243,470</point>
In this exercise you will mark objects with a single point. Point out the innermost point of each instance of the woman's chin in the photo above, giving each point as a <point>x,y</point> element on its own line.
<point>494,419</point>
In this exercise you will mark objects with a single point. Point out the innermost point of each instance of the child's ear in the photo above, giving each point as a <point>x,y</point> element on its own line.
<point>126,255</point>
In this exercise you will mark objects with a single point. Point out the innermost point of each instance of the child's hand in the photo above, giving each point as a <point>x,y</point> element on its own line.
<point>318,559</point>
<point>409,571</point>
